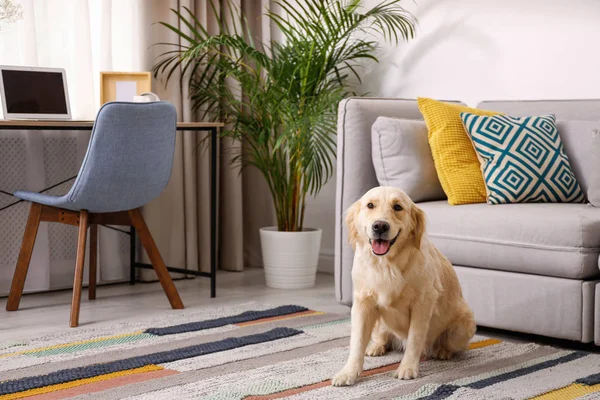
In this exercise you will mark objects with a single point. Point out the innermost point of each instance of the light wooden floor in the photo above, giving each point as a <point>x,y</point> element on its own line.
<point>45,313</point>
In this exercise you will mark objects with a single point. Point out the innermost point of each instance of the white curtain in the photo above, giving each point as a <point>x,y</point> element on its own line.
<point>83,37</point>
<point>179,219</point>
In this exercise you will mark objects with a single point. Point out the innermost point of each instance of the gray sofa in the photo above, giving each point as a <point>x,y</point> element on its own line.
<point>529,268</point>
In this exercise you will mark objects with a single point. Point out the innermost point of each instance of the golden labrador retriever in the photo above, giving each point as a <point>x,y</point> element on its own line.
<point>404,288</point>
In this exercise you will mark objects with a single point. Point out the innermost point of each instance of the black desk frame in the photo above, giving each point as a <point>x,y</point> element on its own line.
<point>133,264</point>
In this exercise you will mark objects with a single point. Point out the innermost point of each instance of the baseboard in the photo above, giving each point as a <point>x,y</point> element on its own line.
<point>326,261</point>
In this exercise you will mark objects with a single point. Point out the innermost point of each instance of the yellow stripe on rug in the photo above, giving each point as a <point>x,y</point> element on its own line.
<point>82,342</point>
<point>483,343</point>
<point>573,391</point>
<point>80,382</point>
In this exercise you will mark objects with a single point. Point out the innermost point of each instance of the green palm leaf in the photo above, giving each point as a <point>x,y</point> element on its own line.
<point>279,99</point>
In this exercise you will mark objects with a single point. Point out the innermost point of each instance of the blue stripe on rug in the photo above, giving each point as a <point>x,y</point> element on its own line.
<point>68,375</point>
<point>442,392</point>
<point>527,370</point>
<point>218,322</point>
<point>589,380</point>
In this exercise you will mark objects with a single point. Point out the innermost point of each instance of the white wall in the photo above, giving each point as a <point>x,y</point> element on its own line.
<point>473,50</point>
<point>320,213</point>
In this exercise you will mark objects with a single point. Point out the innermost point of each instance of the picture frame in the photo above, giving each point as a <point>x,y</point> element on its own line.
<point>122,86</point>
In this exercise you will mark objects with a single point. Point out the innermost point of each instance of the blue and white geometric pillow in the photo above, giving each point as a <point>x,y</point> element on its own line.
<point>522,159</point>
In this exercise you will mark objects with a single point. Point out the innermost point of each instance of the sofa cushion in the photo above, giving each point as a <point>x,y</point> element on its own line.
<point>581,140</point>
<point>552,239</point>
<point>455,159</point>
<point>402,158</point>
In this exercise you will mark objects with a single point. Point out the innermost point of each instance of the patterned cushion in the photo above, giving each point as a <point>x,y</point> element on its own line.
<point>455,160</point>
<point>522,159</point>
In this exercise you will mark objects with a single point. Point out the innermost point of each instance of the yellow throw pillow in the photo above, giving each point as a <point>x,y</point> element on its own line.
<point>456,162</point>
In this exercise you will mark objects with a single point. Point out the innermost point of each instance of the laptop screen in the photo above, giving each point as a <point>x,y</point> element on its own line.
<point>34,92</point>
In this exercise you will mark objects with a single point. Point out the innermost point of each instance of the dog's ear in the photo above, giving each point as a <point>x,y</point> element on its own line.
<point>351,214</point>
<point>419,222</point>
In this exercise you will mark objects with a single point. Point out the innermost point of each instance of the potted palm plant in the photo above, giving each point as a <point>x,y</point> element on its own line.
<point>279,99</point>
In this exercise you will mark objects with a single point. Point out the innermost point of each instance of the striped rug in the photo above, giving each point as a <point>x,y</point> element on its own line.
<point>262,352</point>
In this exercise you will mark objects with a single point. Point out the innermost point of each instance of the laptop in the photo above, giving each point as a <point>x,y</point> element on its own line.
<point>34,93</point>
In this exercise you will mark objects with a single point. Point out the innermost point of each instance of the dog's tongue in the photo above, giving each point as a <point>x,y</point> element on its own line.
<point>380,246</point>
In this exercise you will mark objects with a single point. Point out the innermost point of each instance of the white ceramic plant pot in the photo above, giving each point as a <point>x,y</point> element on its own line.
<point>290,258</point>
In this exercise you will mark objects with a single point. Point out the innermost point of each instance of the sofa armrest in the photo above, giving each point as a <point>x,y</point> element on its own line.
<point>355,171</point>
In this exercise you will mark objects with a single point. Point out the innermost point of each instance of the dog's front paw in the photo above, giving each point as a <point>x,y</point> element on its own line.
<point>375,350</point>
<point>407,372</point>
<point>346,377</point>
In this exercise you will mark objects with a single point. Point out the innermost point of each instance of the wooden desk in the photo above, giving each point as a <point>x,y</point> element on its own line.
<point>83,125</point>
<point>74,125</point>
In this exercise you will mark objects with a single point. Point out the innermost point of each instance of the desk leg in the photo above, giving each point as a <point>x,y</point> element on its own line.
<point>132,256</point>
<point>213,213</point>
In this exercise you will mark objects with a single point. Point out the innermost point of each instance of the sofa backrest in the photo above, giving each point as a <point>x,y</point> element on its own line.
<point>587,110</point>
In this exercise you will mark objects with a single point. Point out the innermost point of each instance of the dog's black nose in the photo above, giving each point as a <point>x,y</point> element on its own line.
<point>380,227</point>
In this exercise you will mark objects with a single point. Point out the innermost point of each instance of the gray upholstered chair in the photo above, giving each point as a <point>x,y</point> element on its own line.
<point>127,164</point>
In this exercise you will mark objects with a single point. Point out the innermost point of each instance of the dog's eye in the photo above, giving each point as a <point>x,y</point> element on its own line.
<point>370,205</point>
<point>397,207</point>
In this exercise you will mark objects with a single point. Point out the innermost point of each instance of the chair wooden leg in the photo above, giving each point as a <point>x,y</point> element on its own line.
<point>93,261</point>
<point>79,263</point>
<point>18,282</point>
<point>157,262</point>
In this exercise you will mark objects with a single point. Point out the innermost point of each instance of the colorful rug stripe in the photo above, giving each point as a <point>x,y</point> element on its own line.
<point>101,386</point>
<point>483,343</point>
<point>90,371</point>
<point>78,382</point>
<point>92,344</point>
<point>589,380</point>
<point>573,391</point>
<point>581,387</point>
<point>442,392</point>
<point>527,370</point>
<point>231,320</point>
<point>280,318</point>
<point>545,380</point>
<point>81,345</point>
